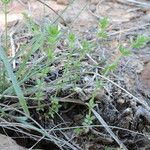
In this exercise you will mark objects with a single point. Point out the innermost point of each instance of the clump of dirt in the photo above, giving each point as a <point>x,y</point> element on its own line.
<point>7,143</point>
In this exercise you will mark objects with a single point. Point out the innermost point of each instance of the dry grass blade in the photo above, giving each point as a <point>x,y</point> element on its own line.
<point>142,4</point>
<point>60,142</point>
<point>130,29</point>
<point>100,119</point>
<point>136,3</point>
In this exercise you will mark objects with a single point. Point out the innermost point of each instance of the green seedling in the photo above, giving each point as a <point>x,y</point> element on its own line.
<point>53,34</point>
<point>124,51</point>
<point>54,107</point>
<point>140,42</point>
<point>5,1</point>
<point>89,118</point>
<point>72,37</point>
<point>103,25</point>
<point>53,37</point>
<point>78,131</point>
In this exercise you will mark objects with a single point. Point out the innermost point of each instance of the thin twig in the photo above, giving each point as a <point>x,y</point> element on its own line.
<point>100,119</point>
<point>130,29</point>
<point>135,3</point>
<point>59,16</point>
<point>142,4</point>
<point>65,100</point>
<point>36,142</point>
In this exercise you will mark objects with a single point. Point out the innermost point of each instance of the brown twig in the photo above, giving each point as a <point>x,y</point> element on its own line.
<point>53,11</point>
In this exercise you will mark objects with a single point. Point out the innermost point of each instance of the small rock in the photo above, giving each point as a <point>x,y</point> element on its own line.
<point>145,80</point>
<point>94,2</point>
<point>120,101</point>
<point>146,18</point>
<point>62,2</point>
<point>139,65</point>
<point>7,143</point>
<point>139,68</point>
<point>92,8</point>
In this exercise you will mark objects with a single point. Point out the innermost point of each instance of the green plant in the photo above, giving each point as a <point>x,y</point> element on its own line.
<point>14,81</point>
<point>45,41</point>
<point>102,28</point>
<point>54,107</point>
<point>89,117</point>
<point>5,3</point>
<point>78,131</point>
<point>39,94</point>
<point>71,66</point>
<point>3,79</point>
<point>140,41</point>
<point>7,67</point>
<point>123,52</point>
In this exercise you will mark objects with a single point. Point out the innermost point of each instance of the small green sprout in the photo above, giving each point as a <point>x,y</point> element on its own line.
<point>110,68</point>
<point>140,41</point>
<point>78,131</point>
<point>103,25</point>
<point>53,34</point>
<point>54,107</point>
<point>5,1</point>
<point>91,104</point>
<point>71,37</point>
<point>88,120</point>
<point>89,117</point>
<point>50,53</point>
<point>124,51</point>
<point>53,30</point>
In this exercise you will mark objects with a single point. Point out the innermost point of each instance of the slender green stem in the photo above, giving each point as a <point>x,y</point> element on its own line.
<point>6,30</point>
<point>6,47</point>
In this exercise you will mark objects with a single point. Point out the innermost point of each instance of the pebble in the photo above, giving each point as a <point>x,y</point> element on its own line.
<point>121,101</point>
<point>92,8</point>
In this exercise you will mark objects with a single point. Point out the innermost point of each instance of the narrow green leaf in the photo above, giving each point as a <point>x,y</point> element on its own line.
<point>14,81</point>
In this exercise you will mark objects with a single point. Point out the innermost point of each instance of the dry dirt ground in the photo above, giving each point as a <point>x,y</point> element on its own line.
<point>127,20</point>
